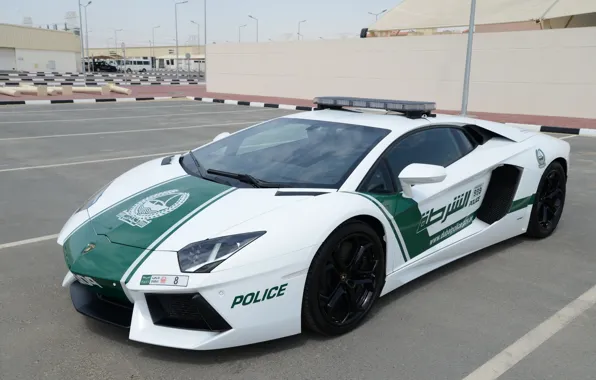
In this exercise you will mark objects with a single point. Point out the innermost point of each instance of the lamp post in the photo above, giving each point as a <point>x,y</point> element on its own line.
<point>86,31</point>
<point>116,38</point>
<point>176,21</point>
<point>81,37</point>
<point>240,32</point>
<point>198,36</point>
<point>466,91</point>
<point>257,20</point>
<point>299,28</point>
<point>205,33</point>
<point>153,43</point>
<point>378,14</point>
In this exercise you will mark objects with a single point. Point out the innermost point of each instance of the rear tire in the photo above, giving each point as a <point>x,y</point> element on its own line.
<point>549,202</point>
<point>345,279</point>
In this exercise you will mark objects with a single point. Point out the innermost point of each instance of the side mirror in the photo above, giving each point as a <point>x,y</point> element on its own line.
<point>221,136</point>
<point>415,174</point>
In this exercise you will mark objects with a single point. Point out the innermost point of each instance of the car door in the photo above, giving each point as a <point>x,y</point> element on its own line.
<point>436,212</point>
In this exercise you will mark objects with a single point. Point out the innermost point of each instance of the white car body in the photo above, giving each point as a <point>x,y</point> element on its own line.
<point>281,258</point>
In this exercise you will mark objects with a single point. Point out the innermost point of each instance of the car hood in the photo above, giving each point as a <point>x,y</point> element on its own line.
<point>153,202</point>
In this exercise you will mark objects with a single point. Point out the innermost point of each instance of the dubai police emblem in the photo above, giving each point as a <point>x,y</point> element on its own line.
<point>155,206</point>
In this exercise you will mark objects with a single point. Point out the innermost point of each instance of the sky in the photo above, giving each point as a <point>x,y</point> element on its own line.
<point>278,19</point>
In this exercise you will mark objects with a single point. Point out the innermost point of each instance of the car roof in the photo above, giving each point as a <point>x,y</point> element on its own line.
<point>392,122</point>
<point>399,124</point>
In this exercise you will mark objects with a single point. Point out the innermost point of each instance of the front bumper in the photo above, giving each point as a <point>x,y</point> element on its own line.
<point>183,311</point>
<point>215,311</point>
<point>102,308</point>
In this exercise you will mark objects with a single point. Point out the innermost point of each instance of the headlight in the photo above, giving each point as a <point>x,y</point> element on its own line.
<point>204,256</point>
<point>91,201</point>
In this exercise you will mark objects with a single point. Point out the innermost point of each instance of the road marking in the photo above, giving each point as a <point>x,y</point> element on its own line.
<point>567,137</point>
<point>19,113</point>
<point>134,117</point>
<point>510,356</point>
<point>126,131</point>
<point>87,162</point>
<point>28,241</point>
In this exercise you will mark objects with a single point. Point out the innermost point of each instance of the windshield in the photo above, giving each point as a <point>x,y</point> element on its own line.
<point>293,152</point>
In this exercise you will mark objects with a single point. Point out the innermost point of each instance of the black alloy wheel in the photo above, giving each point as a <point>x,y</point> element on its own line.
<point>549,202</point>
<point>345,279</point>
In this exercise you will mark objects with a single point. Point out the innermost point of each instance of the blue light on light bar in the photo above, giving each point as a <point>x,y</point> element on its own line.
<point>383,104</point>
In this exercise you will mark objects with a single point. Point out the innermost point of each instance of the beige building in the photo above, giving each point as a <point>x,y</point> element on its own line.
<point>34,49</point>
<point>147,51</point>
<point>425,17</point>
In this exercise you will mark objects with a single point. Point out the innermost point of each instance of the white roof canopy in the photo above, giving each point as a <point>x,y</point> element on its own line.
<point>416,14</point>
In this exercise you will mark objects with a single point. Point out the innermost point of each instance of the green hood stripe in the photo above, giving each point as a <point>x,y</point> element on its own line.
<point>389,219</point>
<point>141,259</point>
<point>120,202</point>
<point>121,237</point>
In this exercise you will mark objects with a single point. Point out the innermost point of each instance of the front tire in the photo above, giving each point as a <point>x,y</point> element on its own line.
<point>345,279</point>
<point>549,202</point>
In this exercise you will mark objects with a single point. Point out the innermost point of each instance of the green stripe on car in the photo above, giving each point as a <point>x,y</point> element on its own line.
<point>522,203</point>
<point>171,231</point>
<point>125,234</point>
<point>382,206</point>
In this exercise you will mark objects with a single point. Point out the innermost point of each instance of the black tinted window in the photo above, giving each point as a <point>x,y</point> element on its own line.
<point>438,146</point>
<point>463,142</point>
<point>379,180</point>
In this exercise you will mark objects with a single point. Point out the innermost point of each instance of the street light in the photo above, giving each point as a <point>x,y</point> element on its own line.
<point>116,38</point>
<point>86,31</point>
<point>466,91</point>
<point>299,28</point>
<point>81,36</point>
<point>205,26</point>
<point>153,43</point>
<point>257,20</point>
<point>240,32</point>
<point>198,36</point>
<point>176,18</point>
<point>378,14</point>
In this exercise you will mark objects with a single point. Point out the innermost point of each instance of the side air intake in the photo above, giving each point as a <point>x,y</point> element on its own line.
<point>499,194</point>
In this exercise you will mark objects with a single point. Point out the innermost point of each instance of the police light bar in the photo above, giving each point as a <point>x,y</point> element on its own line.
<point>406,106</point>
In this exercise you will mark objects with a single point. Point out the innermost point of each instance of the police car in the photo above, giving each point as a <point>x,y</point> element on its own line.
<point>304,221</point>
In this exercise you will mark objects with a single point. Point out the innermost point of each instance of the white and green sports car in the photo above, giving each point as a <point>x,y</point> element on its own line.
<point>304,221</point>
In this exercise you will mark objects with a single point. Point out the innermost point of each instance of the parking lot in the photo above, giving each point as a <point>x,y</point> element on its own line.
<point>445,325</point>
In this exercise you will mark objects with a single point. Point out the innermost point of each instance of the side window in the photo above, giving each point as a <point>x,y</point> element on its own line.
<point>439,146</point>
<point>379,180</point>
<point>462,140</point>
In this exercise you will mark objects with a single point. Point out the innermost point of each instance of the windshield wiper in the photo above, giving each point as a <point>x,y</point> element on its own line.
<point>201,170</point>
<point>246,178</point>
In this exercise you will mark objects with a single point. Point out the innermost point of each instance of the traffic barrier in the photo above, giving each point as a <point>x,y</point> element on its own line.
<point>119,90</point>
<point>9,91</point>
<point>32,90</point>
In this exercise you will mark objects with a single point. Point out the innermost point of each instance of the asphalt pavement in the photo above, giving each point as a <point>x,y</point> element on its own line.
<point>443,326</point>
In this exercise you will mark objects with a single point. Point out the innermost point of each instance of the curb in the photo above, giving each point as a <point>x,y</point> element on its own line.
<point>533,127</point>
<point>252,104</point>
<point>81,83</point>
<point>79,101</point>
<point>552,129</point>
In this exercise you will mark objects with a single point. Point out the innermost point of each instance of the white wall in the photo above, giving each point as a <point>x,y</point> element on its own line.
<point>545,72</point>
<point>7,59</point>
<point>46,60</point>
